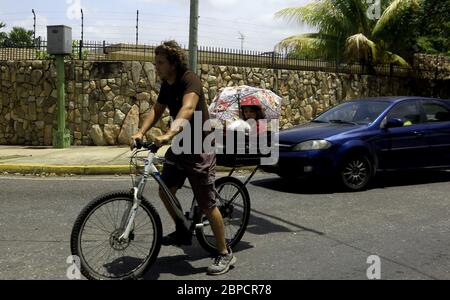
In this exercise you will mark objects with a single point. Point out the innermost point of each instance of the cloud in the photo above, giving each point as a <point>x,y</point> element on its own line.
<point>223,3</point>
<point>115,21</point>
<point>73,11</point>
<point>221,21</point>
<point>41,24</point>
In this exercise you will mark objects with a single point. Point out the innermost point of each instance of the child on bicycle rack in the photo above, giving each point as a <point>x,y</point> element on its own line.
<point>182,93</point>
<point>252,113</point>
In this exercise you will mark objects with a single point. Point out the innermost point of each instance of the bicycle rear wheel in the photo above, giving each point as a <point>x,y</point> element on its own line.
<point>235,209</point>
<point>95,238</point>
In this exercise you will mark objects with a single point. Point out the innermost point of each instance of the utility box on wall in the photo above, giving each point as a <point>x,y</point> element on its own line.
<point>59,39</point>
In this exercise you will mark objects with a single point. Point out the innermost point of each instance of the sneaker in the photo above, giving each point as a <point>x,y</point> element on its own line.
<point>222,263</point>
<point>177,238</point>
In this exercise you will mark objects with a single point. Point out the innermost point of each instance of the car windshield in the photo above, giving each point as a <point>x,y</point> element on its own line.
<point>355,112</point>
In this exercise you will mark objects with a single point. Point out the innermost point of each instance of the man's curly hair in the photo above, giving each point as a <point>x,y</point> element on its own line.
<point>174,54</point>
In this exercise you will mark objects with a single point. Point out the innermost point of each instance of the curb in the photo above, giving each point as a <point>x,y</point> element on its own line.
<point>77,170</point>
<point>82,170</point>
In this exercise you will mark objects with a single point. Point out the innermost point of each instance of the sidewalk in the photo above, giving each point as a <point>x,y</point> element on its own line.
<point>76,160</point>
<point>73,160</point>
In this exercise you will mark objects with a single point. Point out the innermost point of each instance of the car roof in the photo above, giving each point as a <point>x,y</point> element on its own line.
<point>395,99</point>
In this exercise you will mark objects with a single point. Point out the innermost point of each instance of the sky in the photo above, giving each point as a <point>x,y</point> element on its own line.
<point>221,22</point>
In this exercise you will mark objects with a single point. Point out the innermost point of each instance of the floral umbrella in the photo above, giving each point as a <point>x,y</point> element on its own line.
<point>226,106</point>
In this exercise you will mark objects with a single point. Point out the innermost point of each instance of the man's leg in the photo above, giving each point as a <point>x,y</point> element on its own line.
<point>225,258</point>
<point>174,178</point>
<point>216,220</point>
<point>166,202</point>
<point>205,193</point>
<point>181,236</point>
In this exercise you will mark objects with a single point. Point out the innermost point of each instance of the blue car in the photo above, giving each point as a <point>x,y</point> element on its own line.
<point>355,139</point>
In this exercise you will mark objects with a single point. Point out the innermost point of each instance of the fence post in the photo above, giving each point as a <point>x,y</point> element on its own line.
<point>436,72</point>
<point>137,28</point>
<point>34,27</point>
<point>80,50</point>
<point>273,60</point>
<point>80,54</point>
<point>338,61</point>
<point>61,137</point>
<point>436,75</point>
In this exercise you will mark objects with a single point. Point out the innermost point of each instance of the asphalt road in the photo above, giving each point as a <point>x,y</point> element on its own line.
<point>296,231</point>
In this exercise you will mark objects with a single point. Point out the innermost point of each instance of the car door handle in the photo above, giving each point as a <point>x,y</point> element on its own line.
<point>419,133</point>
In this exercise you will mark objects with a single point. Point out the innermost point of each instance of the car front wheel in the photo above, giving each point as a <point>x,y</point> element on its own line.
<point>356,172</point>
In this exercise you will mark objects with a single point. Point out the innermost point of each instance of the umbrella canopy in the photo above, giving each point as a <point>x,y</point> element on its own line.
<point>226,106</point>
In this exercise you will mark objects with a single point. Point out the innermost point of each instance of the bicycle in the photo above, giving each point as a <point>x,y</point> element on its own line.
<point>133,223</point>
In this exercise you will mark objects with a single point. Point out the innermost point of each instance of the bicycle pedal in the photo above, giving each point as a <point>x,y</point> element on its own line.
<point>201,225</point>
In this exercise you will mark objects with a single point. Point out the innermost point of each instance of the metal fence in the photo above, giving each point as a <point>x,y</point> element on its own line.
<point>98,51</point>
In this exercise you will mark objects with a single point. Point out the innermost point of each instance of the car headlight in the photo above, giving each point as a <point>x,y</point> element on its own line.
<point>312,145</point>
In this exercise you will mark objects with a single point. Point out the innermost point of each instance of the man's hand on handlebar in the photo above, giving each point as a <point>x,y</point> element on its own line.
<point>139,144</point>
<point>138,136</point>
<point>159,141</point>
<point>137,140</point>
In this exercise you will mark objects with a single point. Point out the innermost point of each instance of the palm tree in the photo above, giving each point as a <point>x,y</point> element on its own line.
<point>345,26</point>
<point>17,37</point>
<point>20,37</point>
<point>3,35</point>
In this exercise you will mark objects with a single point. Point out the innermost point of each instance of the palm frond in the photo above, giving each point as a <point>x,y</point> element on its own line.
<point>359,47</point>
<point>319,14</point>
<point>298,42</point>
<point>354,14</point>
<point>347,20</point>
<point>394,59</point>
<point>309,13</point>
<point>393,13</point>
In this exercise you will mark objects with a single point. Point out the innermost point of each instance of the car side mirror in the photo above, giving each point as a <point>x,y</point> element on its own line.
<point>393,123</point>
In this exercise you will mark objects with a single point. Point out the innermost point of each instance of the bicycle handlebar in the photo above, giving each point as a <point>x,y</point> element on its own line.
<point>139,144</point>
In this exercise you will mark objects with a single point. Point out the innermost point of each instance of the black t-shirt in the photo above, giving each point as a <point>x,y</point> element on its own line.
<point>172,96</point>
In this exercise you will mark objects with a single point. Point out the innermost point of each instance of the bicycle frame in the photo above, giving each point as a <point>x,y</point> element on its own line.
<point>151,170</point>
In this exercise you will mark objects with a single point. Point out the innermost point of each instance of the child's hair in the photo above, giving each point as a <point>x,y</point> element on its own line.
<point>174,54</point>
<point>259,112</point>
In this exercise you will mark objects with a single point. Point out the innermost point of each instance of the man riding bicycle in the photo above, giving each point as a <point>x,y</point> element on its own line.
<point>182,93</point>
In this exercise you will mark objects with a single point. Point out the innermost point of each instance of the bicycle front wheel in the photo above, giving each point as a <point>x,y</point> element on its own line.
<point>95,238</point>
<point>235,209</point>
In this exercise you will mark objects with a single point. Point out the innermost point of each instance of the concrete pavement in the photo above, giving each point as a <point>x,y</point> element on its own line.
<point>73,160</point>
<point>295,231</point>
<point>77,160</point>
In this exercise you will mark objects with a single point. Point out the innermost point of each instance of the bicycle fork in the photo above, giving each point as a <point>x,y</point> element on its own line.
<point>137,196</point>
<point>132,215</point>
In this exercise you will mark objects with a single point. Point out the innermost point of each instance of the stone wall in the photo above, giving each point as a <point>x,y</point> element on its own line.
<point>106,101</point>
<point>438,66</point>
<point>305,93</point>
